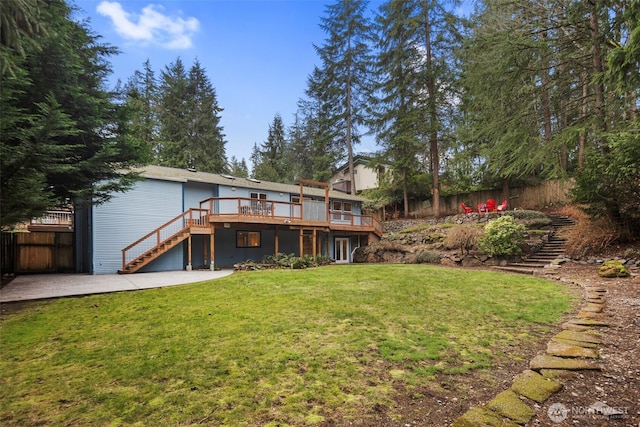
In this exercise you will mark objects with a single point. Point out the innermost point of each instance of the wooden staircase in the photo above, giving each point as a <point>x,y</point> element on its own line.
<point>158,242</point>
<point>552,249</point>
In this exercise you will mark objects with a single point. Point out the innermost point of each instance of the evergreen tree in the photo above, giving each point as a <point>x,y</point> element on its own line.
<point>64,136</point>
<point>142,98</point>
<point>399,113</point>
<point>206,140</point>
<point>322,133</point>
<point>344,78</point>
<point>238,168</point>
<point>270,159</point>
<point>174,148</point>
<point>417,90</point>
<point>190,133</point>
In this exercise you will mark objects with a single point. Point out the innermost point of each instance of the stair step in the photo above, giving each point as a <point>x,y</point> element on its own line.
<point>511,269</point>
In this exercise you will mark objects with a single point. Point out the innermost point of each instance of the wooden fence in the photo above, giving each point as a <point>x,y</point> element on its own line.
<point>37,252</point>
<point>533,197</point>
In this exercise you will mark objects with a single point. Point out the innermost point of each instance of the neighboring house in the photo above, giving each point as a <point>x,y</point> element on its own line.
<point>365,176</point>
<point>175,219</point>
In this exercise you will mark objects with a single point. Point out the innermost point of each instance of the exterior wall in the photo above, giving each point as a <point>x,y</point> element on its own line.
<point>150,203</point>
<point>365,177</point>
<point>129,216</point>
<point>195,192</point>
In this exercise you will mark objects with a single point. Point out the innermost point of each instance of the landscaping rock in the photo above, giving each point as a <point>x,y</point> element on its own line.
<point>560,349</point>
<point>578,343</point>
<point>594,308</point>
<point>552,362</point>
<point>482,417</point>
<point>613,268</point>
<point>588,322</point>
<point>557,374</point>
<point>579,336</point>
<point>534,386</point>
<point>509,405</point>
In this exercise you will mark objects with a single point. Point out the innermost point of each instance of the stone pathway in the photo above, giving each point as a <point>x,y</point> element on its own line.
<point>574,349</point>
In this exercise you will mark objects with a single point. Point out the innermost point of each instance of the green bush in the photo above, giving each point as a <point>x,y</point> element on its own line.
<point>502,237</point>
<point>294,262</point>
<point>613,268</point>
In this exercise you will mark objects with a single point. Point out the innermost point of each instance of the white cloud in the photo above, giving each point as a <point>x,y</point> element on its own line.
<point>151,25</point>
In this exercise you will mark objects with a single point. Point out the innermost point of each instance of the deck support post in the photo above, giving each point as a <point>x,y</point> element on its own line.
<point>212,248</point>
<point>189,266</point>
<point>301,241</point>
<point>314,243</point>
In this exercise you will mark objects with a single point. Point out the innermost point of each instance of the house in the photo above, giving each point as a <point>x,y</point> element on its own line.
<point>178,219</point>
<point>366,177</point>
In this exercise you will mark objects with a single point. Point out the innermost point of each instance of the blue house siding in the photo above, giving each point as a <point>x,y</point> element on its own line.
<point>195,192</point>
<point>129,216</point>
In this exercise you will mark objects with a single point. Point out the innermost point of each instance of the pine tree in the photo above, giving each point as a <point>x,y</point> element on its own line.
<point>206,140</point>
<point>189,122</point>
<point>238,167</point>
<point>65,136</point>
<point>142,98</point>
<point>174,148</point>
<point>270,158</point>
<point>344,77</point>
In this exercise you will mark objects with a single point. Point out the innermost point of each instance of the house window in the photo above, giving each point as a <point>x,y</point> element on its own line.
<point>248,239</point>
<point>259,196</point>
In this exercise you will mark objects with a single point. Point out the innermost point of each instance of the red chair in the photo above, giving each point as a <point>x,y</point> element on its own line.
<point>491,205</point>
<point>482,207</point>
<point>467,209</point>
<point>502,206</point>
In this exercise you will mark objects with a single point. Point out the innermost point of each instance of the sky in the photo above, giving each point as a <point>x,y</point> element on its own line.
<point>257,54</point>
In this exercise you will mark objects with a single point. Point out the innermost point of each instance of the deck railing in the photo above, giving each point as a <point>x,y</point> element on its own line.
<point>310,210</point>
<point>54,218</point>
<point>192,217</point>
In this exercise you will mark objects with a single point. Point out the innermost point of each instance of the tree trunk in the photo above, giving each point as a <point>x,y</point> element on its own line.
<point>433,115</point>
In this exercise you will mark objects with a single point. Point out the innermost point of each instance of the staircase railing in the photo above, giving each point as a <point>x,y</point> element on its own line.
<point>191,218</point>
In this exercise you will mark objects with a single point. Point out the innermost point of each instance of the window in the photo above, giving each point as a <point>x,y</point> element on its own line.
<point>248,239</point>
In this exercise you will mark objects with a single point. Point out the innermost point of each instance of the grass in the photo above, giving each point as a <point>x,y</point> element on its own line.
<point>262,348</point>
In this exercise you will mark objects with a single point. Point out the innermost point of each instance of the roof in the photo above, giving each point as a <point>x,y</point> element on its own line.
<point>183,175</point>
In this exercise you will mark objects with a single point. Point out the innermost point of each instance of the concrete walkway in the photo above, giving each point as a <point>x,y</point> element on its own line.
<point>43,286</point>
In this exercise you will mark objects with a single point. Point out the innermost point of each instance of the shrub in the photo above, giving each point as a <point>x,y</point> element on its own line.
<point>613,268</point>
<point>464,237</point>
<point>590,236</point>
<point>428,257</point>
<point>527,214</point>
<point>632,253</point>
<point>294,262</point>
<point>502,237</point>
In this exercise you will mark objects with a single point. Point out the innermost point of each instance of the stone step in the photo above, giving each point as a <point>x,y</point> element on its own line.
<point>515,269</point>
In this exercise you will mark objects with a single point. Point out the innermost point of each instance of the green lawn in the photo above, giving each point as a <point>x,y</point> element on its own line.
<point>262,348</point>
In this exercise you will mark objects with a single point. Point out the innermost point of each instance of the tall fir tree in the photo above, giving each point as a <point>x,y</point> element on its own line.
<point>270,159</point>
<point>190,134</point>
<point>142,98</point>
<point>65,136</point>
<point>173,114</point>
<point>344,76</point>
<point>206,138</point>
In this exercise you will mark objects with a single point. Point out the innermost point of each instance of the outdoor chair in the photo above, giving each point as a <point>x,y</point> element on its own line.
<point>467,209</point>
<point>491,205</point>
<point>482,207</point>
<point>502,206</point>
